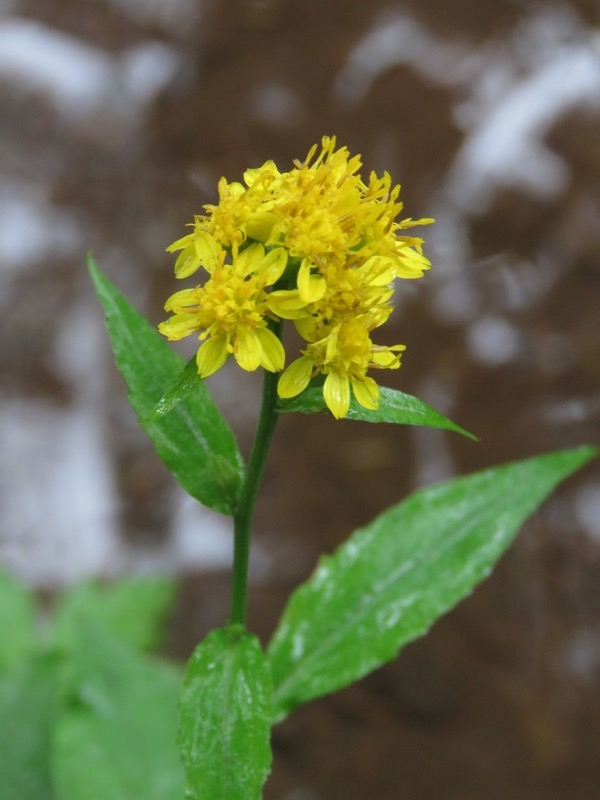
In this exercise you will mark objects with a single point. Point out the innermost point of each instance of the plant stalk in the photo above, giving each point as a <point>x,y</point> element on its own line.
<point>245,508</point>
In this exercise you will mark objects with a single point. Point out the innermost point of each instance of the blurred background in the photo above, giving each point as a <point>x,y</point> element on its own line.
<point>118,118</point>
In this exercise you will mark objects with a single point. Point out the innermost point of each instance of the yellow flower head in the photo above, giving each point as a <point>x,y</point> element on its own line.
<point>343,289</point>
<point>241,210</point>
<point>316,245</point>
<point>343,355</point>
<point>230,311</point>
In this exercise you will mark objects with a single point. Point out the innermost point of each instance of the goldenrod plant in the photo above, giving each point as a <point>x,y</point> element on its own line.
<point>323,249</point>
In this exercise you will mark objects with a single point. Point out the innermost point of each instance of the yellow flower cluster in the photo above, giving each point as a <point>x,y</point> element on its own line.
<point>315,245</point>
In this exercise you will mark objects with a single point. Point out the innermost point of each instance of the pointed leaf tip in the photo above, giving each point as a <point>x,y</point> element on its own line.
<point>394,578</point>
<point>394,407</point>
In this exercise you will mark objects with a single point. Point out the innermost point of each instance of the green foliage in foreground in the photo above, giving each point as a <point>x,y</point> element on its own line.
<point>85,714</point>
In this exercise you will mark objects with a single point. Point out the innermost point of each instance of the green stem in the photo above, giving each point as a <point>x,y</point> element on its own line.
<point>245,509</point>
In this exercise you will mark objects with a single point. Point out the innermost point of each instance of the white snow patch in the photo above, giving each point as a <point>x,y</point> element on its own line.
<point>82,82</point>
<point>434,461</point>
<point>147,69</point>
<point>396,40</point>
<point>276,104</point>
<point>200,538</point>
<point>457,300</point>
<point>582,655</point>
<point>31,230</point>
<point>506,148</point>
<point>508,97</point>
<point>75,76</point>
<point>78,348</point>
<point>493,341</point>
<point>57,503</point>
<point>587,510</point>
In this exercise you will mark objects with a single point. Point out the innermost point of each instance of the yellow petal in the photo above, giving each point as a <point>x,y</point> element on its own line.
<point>386,359</point>
<point>331,347</point>
<point>273,354</point>
<point>411,264</point>
<point>260,225</point>
<point>310,287</point>
<point>304,279</point>
<point>186,297</point>
<point>273,265</point>
<point>180,244</point>
<point>306,327</point>
<point>187,262</point>
<point>410,223</point>
<point>366,392</point>
<point>233,189</point>
<point>212,355</point>
<point>248,351</point>
<point>379,270</point>
<point>286,304</point>
<point>179,326</point>
<point>208,251</point>
<point>250,259</point>
<point>269,167</point>
<point>296,377</point>
<point>336,391</point>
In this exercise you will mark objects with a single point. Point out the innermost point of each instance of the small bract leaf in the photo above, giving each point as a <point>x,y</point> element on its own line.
<point>394,406</point>
<point>181,387</point>
<point>193,440</point>
<point>391,580</point>
<point>225,718</point>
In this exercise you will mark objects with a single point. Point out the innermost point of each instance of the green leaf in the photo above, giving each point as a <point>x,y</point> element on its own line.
<point>29,701</point>
<point>17,620</point>
<point>225,718</point>
<point>194,441</point>
<point>394,406</point>
<point>116,736</point>
<point>391,580</point>
<point>134,610</point>
<point>183,385</point>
